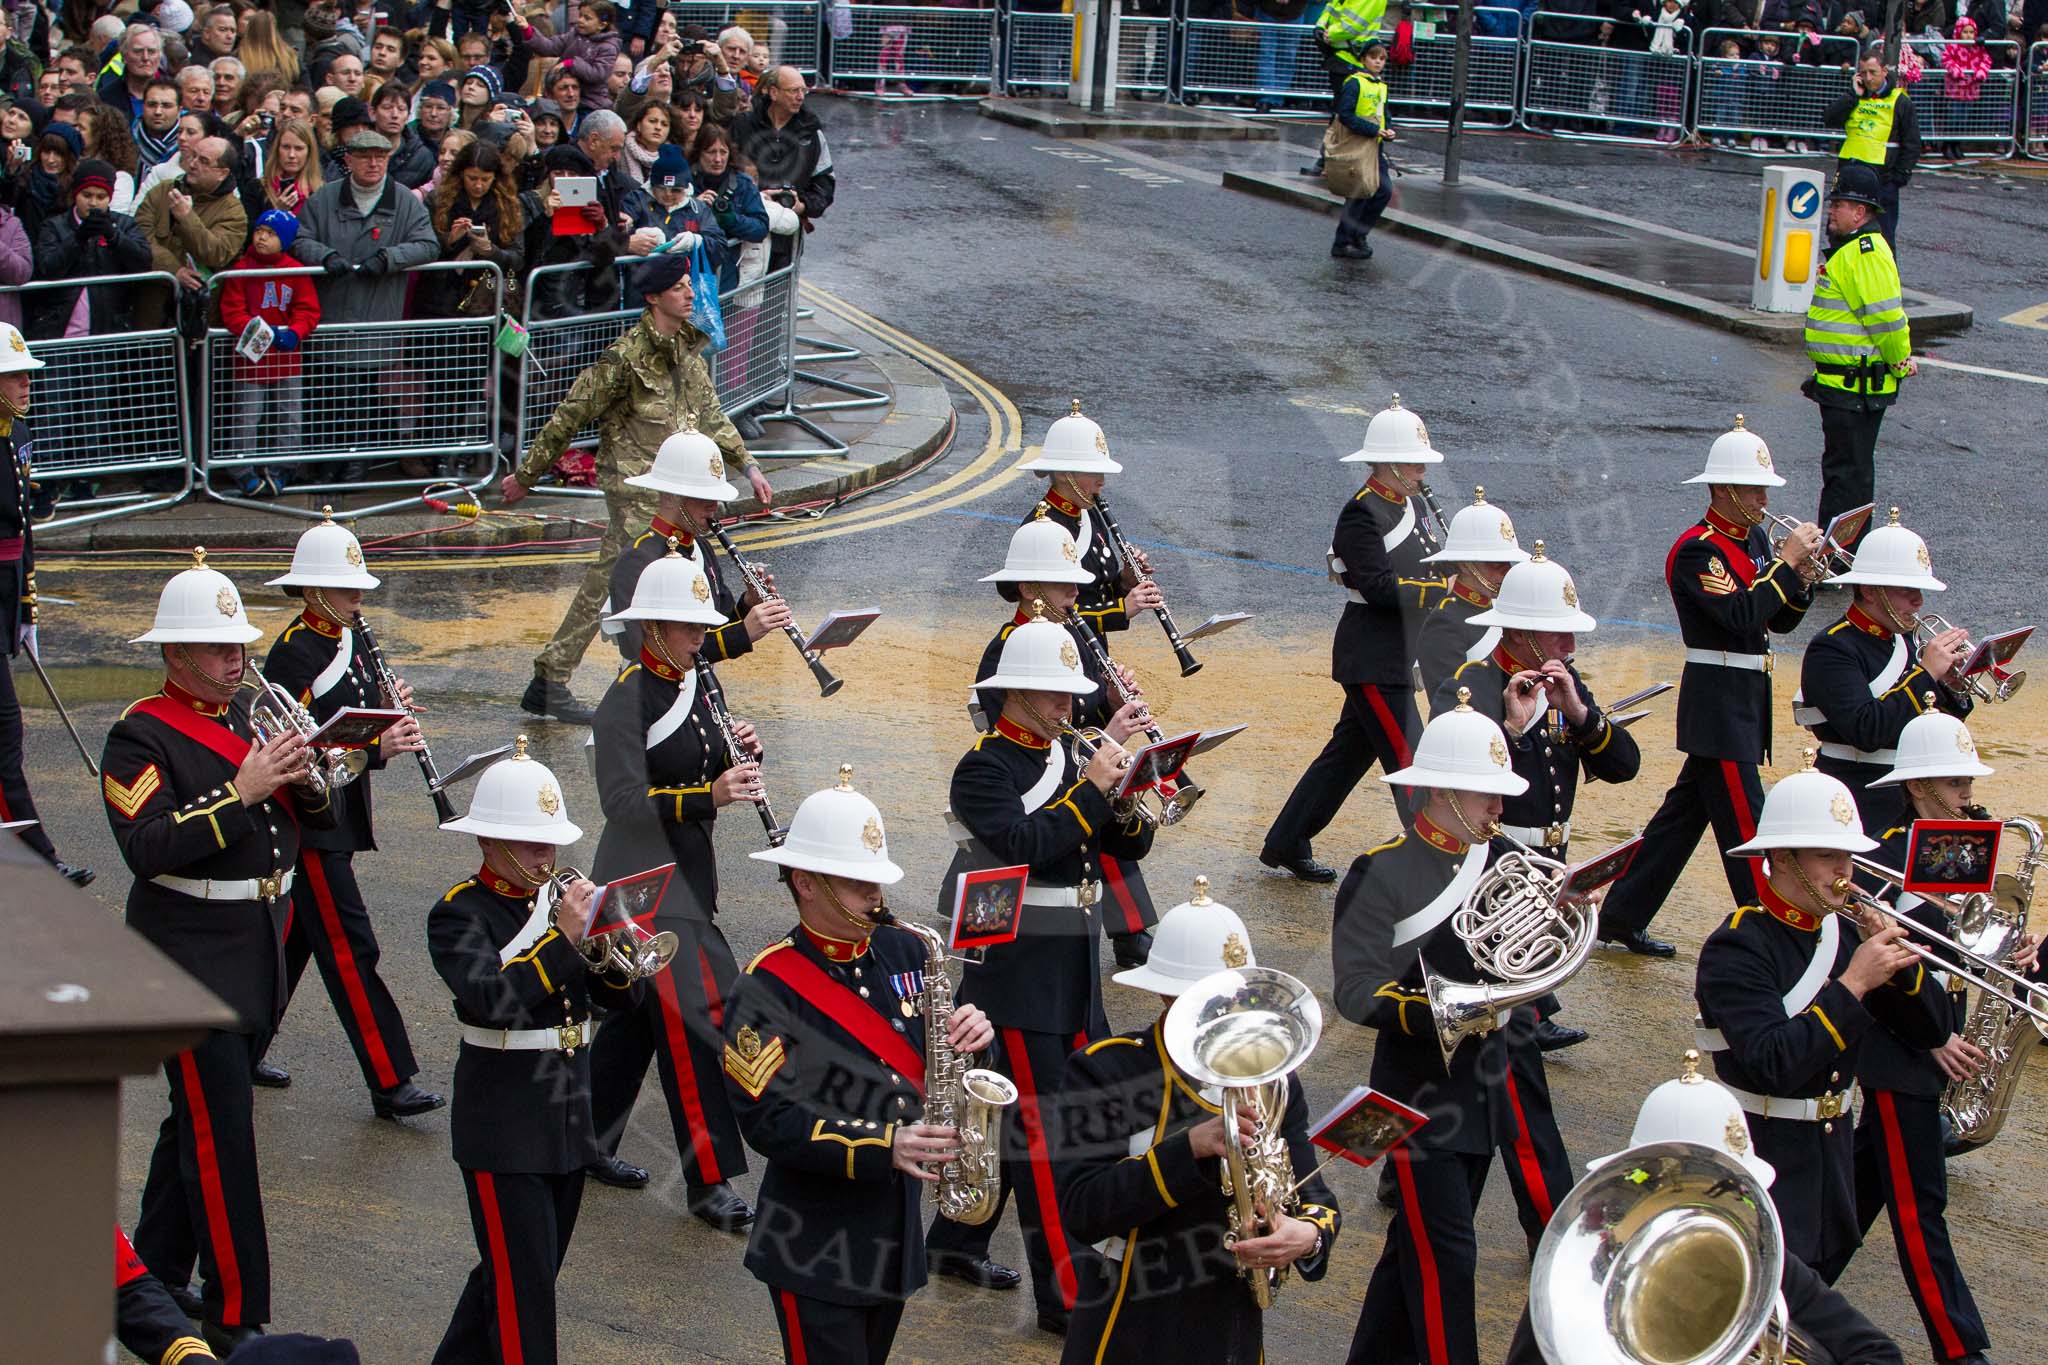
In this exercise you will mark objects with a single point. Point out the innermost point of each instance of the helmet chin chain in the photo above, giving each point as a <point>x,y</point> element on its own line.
<point>1820,902</point>
<point>1479,836</point>
<point>532,876</point>
<point>1932,795</point>
<point>1490,586</point>
<point>219,686</point>
<point>1749,518</point>
<point>318,598</point>
<point>867,923</point>
<point>8,408</point>
<point>653,641</point>
<point>1885,600</point>
<point>1073,491</point>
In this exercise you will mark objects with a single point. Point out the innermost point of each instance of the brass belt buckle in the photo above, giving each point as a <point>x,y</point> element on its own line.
<point>1831,1106</point>
<point>1086,893</point>
<point>571,1036</point>
<point>1553,836</point>
<point>1767,663</point>
<point>268,887</point>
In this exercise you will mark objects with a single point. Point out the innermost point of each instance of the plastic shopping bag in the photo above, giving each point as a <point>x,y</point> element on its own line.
<point>706,311</point>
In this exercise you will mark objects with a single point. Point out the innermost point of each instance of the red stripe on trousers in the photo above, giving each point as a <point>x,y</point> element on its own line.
<point>211,1194</point>
<point>1525,1154</point>
<point>1425,1257</point>
<point>678,1044</point>
<point>1731,773</point>
<point>1908,1210</point>
<point>1120,893</point>
<point>351,979</point>
<point>797,1354</point>
<point>713,1005</point>
<point>509,1345</point>
<point>1028,1117</point>
<point>1388,724</point>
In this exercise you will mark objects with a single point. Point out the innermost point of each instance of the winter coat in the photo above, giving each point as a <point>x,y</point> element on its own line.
<point>282,301</point>
<point>690,216</point>
<point>412,161</point>
<point>569,293</point>
<point>66,251</point>
<point>397,230</point>
<point>590,58</point>
<point>794,155</point>
<point>1965,65</point>
<point>17,264</point>
<point>441,292</point>
<point>212,235</point>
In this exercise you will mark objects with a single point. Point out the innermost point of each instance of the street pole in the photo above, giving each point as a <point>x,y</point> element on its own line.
<point>1461,69</point>
<point>1099,58</point>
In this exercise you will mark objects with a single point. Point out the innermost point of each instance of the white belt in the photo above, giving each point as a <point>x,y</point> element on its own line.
<point>1823,1109</point>
<point>567,1038</point>
<point>1709,1039</point>
<point>236,889</point>
<point>1887,757</point>
<point>1356,596</point>
<point>1070,897</point>
<point>1809,716</point>
<point>1721,658</point>
<point>1540,836</point>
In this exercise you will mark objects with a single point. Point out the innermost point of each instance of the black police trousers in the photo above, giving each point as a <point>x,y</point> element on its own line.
<point>1848,459</point>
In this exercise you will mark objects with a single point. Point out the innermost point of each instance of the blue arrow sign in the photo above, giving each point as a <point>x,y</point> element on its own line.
<point>1802,201</point>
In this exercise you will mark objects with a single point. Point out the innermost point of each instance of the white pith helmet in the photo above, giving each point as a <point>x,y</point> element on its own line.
<point>1537,594</point>
<point>1197,938</point>
<point>1039,656</point>
<point>1934,744</point>
<point>1809,809</point>
<point>1041,551</point>
<point>837,832</point>
<point>1694,1108</point>
<point>14,352</point>
<point>1073,445</point>
<point>1892,557</point>
<point>1463,751</point>
<point>327,556</point>
<point>199,606</point>
<point>1395,436</point>
<point>1739,456</point>
<point>518,799</point>
<point>671,588</point>
<point>1479,534</point>
<point>689,465</point>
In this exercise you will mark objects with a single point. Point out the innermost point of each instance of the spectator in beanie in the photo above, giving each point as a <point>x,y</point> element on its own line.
<point>676,210</point>
<point>436,114</point>
<point>195,88</point>
<point>142,59</point>
<point>412,161</point>
<point>479,88</point>
<point>85,240</point>
<point>195,225</point>
<point>290,306</point>
<point>105,136</point>
<point>477,217</point>
<point>155,130</point>
<point>586,51</point>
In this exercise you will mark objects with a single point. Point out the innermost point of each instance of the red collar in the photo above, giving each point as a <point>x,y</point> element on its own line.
<point>320,625</point>
<point>1060,502</point>
<point>1017,734</point>
<point>1739,534</point>
<point>1505,660</point>
<point>1866,624</point>
<point>1458,589</point>
<point>656,666</point>
<point>1436,836</point>
<point>834,949</point>
<point>1373,485</point>
<point>1778,908</point>
<point>199,704</point>
<point>1022,618</point>
<point>667,532</point>
<point>491,881</point>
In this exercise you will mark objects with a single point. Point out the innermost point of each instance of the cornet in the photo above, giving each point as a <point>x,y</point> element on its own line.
<point>625,948</point>
<point>2002,684</point>
<point>275,712</point>
<point>1829,560</point>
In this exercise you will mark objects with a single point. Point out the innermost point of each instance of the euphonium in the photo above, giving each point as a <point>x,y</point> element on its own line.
<point>275,711</point>
<point>1976,1106</point>
<point>1244,1030</point>
<point>626,948</point>
<point>969,1101</point>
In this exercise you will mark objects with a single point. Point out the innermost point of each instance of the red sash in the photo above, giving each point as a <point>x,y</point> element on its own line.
<point>207,731</point>
<point>1737,556</point>
<point>847,1010</point>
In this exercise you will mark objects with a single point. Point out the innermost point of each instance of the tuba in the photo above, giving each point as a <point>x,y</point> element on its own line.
<point>626,948</point>
<point>276,711</point>
<point>1976,1106</point>
<point>1519,929</point>
<point>969,1101</point>
<point>1667,1253</point>
<point>1244,1030</point>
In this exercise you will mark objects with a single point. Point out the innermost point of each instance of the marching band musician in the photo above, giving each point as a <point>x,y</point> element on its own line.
<point>208,814</point>
<point>663,773</point>
<point>1377,553</point>
<point>1479,548</point>
<point>688,477</point>
<point>1529,687</point>
<point>325,665</point>
<point>1786,998</point>
<point>1043,568</point>
<point>508,943</point>
<point>1138,1156</point>
<point>825,1053</point>
<point>1395,904</point>
<point>1024,795</point>
<point>147,1320</point>
<point>1731,592</point>
<point>1861,682</point>
<point>1076,464</point>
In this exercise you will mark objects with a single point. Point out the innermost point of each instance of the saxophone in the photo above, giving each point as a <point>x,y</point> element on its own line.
<point>970,1101</point>
<point>1976,1107</point>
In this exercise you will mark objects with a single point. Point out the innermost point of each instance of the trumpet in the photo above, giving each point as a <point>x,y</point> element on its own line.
<point>1826,562</point>
<point>2003,684</point>
<point>1086,743</point>
<point>388,682</point>
<point>625,948</point>
<point>827,684</point>
<point>1189,664</point>
<point>276,711</point>
<point>1874,914</point>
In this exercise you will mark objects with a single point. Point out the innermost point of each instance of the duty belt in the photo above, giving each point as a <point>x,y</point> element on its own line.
<point>1540,836</point>
<point>1721,658</point>
<point>229,889</point>
<point>567,1038</point>
<point>1068,897</point>
<point>1849,754</point>
<point>1822,1109</point>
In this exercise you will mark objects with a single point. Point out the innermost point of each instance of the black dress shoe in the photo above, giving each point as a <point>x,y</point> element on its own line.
<point>718,1206</point>
<point>1132,949</point>
<point>554,700</point>
<point>749,427</point>
<point>1552,1037</point>
<point>404,1101</point>
<point>1351,251</point>
<point>1306,868</point>
<point>1053,1320</point>
<point>77,876</point>
<point>270,1075</point>
<point>188,1299</point>
<point>1637,942</point>
<point>223,1341</point>
<point>620,1175</point>
<point>976,1270</point>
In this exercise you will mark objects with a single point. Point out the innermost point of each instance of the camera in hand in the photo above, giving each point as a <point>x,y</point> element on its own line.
<point>786,198</point>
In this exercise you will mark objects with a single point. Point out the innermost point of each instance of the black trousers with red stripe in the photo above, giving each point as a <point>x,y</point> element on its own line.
<point>815,1332</point>
<point>202,1198</point>
<point>679,1025</point>
<point>331,925</point>
<point>1420,1305</point>
<point>506,1313</point>
<point>1035,1061</point>
<point>1127,906</point>
<point>1709,792</point>
<point>1379,725</point>
<point>15,801</point>
<point>1900,1167</point>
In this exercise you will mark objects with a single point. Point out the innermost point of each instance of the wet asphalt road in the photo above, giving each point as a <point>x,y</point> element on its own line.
<point>1230,361</point>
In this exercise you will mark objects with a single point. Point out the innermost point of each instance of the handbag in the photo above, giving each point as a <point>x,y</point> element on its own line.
<point>1351,162</point>
<point>705,309</point>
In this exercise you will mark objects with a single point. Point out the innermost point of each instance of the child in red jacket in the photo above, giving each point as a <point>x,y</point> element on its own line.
<point>291,308</point>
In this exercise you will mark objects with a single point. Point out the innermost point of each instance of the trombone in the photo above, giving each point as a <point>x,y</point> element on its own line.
<point>1862,905</point>
<point>2003,684</point>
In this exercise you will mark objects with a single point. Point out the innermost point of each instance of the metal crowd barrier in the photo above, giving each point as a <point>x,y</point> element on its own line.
<point>422,388</point>
<point>1967,113</point>
<point>939,47</point>
<point>1266,61</point>
<point>1038,52</point>
<point>1751,96</point>
<point>1421,90</point>
<point>2034,135</point>
<point>107,406</point>
<point>1585,90</point>
<point>788,28</point>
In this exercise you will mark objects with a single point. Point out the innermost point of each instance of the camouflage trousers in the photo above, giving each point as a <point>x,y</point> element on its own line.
<point>627,511</point>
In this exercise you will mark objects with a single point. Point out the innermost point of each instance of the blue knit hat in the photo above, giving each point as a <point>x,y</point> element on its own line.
<point>493,82</point>
<point>438,90</point>
<point>283,224</point>
<point>671,169</point>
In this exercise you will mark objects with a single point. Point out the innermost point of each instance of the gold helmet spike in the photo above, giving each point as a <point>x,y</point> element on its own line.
<point>326,514</point>
<point>845,783</point>
<point>1536,556</point>
<point>1394,402</point>
<point>1928,697</point>
<point>1077,408</point>
<point>1042,509</point>
<point>1464,699</point>
<point>198,556</point>
<point>1479,495</point>
<point>1895,518</point>
<point>519,747</point>
<point>1738,421</point>
<point>1691,1063</point>
<point>1806,760</point>
<point>1201,896</point>
<point>675,547</point>
<point>1038,608</point>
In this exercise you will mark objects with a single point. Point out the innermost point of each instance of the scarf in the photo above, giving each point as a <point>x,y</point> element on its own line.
<point>155,149</point>
<point>637,164</point>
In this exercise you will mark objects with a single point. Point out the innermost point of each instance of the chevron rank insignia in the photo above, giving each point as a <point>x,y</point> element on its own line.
<point>131,797</point>
<point>1717,581</point>
<point>752,1063</point>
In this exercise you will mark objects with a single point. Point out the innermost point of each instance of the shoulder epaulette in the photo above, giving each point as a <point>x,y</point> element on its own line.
<point>1096,1047</point>
<point>1867,243</point>
<point>457,890</point>
<point>1392,843</point>
<point>756,961</point>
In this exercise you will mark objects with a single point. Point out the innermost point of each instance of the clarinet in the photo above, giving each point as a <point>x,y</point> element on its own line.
<point>1434,529</point>
<point>714,697</point>
<point>1187,791</point>
<point>827,684</point>
<point>1189,665</point>
<point>388,681</point>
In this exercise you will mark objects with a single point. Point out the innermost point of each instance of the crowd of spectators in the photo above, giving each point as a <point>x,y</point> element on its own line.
<point>367,144</point>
